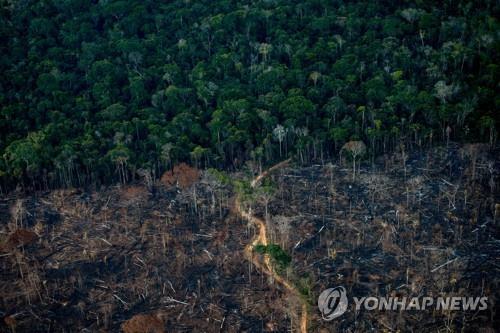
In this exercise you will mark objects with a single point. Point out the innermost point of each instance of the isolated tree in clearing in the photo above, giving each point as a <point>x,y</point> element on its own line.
<point>355,149</point>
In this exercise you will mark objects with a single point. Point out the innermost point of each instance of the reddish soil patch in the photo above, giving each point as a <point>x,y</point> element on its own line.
<point>183,175</point>
<point>144,323</point>
<point>19,237</point>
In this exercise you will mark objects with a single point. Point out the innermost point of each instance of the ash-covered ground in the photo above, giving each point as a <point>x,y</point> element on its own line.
<point>170,258</point>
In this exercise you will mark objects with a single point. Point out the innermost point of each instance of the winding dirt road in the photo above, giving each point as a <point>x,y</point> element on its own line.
<point>261,238</point>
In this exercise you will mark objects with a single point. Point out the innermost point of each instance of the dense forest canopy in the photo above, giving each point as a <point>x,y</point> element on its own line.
<point>97,91</point>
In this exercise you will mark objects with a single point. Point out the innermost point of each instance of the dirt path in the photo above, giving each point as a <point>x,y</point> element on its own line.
<point>261,238</point>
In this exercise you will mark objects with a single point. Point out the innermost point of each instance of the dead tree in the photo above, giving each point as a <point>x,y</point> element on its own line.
<point>283,225</point>
<point>355,149</point>
<point>473,152</point>
<point>18,213</point>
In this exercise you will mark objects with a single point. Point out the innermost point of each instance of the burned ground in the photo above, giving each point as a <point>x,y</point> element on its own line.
<point>112,259</point>
<point>431,232</point>
<point>102,257</point>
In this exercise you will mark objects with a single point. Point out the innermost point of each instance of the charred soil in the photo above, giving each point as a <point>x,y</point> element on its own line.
<point>174,257</point>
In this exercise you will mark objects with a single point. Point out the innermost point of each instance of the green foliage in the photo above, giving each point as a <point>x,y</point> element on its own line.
<point>244,190</point>
<point>26,155</point>
<point>277,254</point>
<point>221,176</point>
<point>98,89</point>
<point>267,188</point>
<point>305,285</point>
<point>297,110</point>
